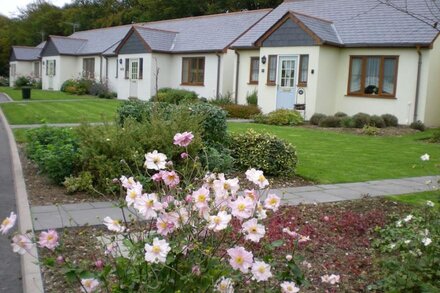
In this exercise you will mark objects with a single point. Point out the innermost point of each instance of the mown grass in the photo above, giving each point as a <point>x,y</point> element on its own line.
<point>419,199</point>
<point>36,94</point>
<point>332,157</point>
<point>61,111</point>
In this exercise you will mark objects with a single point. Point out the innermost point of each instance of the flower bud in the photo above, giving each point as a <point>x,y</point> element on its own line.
<point>99,264</point>
<point>196,270</point>
<point>60,260</point>
<point>184,155</point>
<point>289,257</point>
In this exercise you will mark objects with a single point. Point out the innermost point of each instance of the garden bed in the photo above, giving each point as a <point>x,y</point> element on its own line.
<point>388,131</point>
<point>341,235</point>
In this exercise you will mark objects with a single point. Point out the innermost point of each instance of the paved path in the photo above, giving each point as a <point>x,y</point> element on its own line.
<point>10,272</point>
<point>73,215</point>
<point>4,98</point>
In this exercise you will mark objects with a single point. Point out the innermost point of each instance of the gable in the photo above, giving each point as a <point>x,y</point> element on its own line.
<point>12,57</point>
<point>133,45</point>
<point>289,34</point>
<point>50,49</point>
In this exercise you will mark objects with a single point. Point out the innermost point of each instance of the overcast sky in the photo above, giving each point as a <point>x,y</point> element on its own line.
<point>10,7</point>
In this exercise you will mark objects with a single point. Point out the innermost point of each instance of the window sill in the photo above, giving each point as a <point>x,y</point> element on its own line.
<point>253,83</point>
<point>271,84</point>
<point>371,96</point>
<point>192,84</point>
<point>302,84</point>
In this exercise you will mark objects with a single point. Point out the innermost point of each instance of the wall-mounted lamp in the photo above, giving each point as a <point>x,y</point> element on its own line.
<point>313,71</point>
<point>43,62</point>
<point>120,61</point>
<point>263,59</point>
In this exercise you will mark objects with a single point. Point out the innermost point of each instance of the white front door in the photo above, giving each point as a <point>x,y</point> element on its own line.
<point>134,77</point>
<point>286,82</point>
<point>50,72</point>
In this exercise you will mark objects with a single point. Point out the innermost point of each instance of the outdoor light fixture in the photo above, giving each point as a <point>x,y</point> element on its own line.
<point>43,62</point>
<point>263,59</point>
<point>120,61</point>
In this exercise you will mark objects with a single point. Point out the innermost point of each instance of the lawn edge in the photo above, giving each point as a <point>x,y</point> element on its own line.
<point>7,96</point>
<point>30,269</point>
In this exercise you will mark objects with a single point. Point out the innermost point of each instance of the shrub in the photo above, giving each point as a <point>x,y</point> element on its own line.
<point>214,122</point>
<point>76,87</point>
<point>316,118</point>
<point>280,117</point>
<point>390,120</point>
<point>222,100</point>
<point>330,121</point>
<point>435,137</point>
<point>22,81</point>
<point>361,119</point>
<point>377,121</point>
<point>38,84</point>
<point>217,159</point>
<point>83,182</point>
<point>252,99</point>
<point>241,111</point>
<point>370,130</point>
<point>409,252</point>
<point>54,150</point>
<point>4,81</point>
<point>340,114</point>
<point>347,122</point>
<point>139,110</point>
<point>175,96</point>
<point>418,125</point>
<point>267,152</point>
<point>98,89</point>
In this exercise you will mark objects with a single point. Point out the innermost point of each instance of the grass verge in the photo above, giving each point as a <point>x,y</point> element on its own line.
<point>419,198</point>
<point>37,94</point>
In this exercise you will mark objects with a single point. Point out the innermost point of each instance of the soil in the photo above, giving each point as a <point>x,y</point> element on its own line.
<point>388,131</point>
<point>341,243</point>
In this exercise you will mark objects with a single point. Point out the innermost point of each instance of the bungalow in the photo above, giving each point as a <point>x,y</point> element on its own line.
<point>311,55</point>
<point>24,61</point>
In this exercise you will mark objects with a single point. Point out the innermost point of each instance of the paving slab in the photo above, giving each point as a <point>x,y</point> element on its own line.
<point>77,207</point>
<point>319,196</point>
<point>53,220</point>
<point>293,190</point>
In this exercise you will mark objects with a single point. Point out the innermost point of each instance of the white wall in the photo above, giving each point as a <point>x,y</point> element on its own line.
<point>227,70</point>
<point>403,105</point>
<point>22,68</point>
<point>143,85</point>
<point>109,73</point>
<point>432,109</point>
<point>244,88</point>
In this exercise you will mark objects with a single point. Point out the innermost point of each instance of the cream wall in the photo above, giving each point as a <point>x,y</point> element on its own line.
<point>22,68</point>
<point>163,62</point>
<point>227,70</point>
<point>143,85</point>
<point>403,105</point>
<point>110,73</point>
<point>244,88</point>
<point>432,109</point>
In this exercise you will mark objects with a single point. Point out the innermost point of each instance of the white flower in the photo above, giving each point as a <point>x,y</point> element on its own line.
<point>257,177</point>
<point>408,218</point>
<point>219,222</point>
<point>425,157</point>
<point>225,285</point>
<point>157,253</point>
<point>147,205</point>
<point>272,202</point>
<point>407,241</point>
<point>155,160</point>
<point>289,287</point>
<point>426,241</point>
<point>332,279</point>
<point>8,223</point>
<point>430,203</point>
<point>392,245</point>
<point>254,231</point>
<point>242,207</point>
<point>201,198</point>
<point>114,225</point>
<point>289,257</point>
<point>89,285</point>
<point>399,224</point>
<point>261,271</point>
<point>133,193</point>
<point>21,244</point>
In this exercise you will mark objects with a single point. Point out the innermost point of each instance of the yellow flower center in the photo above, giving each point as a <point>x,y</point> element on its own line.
<point>132,194</point>
<point>115,222</point>
<point>223,286</point>
<point>217,220</point>
<point>163,225</point>
<point>239,260</point>
<point>88,283</point>
<point>149,203</point>
<point>201,198</point>
<point>273,201</point>
<point>261,269</point>
<point>6,222</point>
<point>253,230</point>
<point>226,186</point>
<point>49,237</point>
<point>289,288</point>
<point>241,207</point>
<point>261,178</point>
<point>156,249</point>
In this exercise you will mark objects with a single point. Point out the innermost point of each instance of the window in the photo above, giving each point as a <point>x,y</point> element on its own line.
<point>134,68</point>
<point>303,70</point>
<point>193,70</point>
<point>272,70</point>
<point>13,70</point>
<point>37,69</point>
<point>373,76</point>
<point>255,70</point>
<point>287,73</point>
<point>89,68</point>
<point>50,67</point>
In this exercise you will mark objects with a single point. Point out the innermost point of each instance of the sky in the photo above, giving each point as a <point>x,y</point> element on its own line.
<point>10,7</point>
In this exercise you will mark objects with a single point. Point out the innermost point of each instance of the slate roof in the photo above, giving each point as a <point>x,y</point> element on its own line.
<point>324,29</point>
<point>158,40</point>
<point>22,53</point>
<point>356,23</point>
<point>68,45</point>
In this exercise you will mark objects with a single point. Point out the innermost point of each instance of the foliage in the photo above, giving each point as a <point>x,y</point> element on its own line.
<point>82,182</point>
<point>390,120</point>
<point>418,125</point>
<point>54,150</point>
<point>340,114</point>
<point>75,87</point>
<point>409,250</point>
<point>222,100</point>
<point>241,111</point>
<point>280,117</point>
<point>330,121</point>
<point>110,150</point>
<point>347,122</point>
<point>370,130</point>
<point>252,99</point>
<point>361,119</point>
<point>4,81</point>
<point>175,96</point>
<point>316,118</point>
<point>377,121</point>
<point>217,159</point>
<point>263,151</point>
<point>140,110</point>
<point>23,81</point>
<point>435,138</point>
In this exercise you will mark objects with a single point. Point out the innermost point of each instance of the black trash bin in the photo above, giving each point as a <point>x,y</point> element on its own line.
<point>26,92</point>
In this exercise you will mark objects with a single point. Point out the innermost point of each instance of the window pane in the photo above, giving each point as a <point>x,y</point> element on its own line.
<point>372,75</point>
<point>304,68</point>
<point>389,75</point>
<point>355,75</point>
<point>272,71</point>
<point>255,68</point>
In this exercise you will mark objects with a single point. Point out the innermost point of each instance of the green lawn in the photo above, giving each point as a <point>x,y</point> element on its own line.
<point>418,198</point>
<point>15,94</point>
<point>97,110</point>
<point>330,157</point>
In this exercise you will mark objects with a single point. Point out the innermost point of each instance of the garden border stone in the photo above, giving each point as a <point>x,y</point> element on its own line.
<point>31,273</point>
